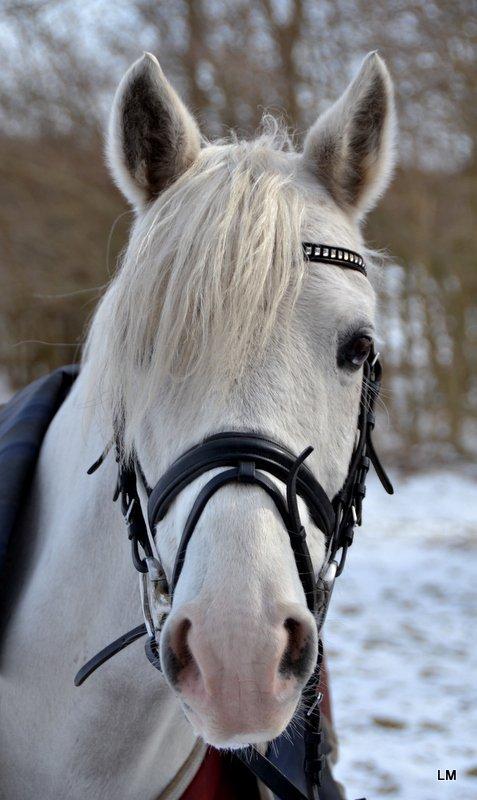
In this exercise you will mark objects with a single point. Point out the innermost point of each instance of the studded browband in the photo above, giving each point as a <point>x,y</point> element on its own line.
<point>325,254</point>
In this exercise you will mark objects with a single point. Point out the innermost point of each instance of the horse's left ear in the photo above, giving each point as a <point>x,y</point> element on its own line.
<point>350,148</point>
<point>152,137</point>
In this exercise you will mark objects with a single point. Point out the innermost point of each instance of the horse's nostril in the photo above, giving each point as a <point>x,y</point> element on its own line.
<point>177,652</point>
<point>296,658</point>
<point>291,625</point>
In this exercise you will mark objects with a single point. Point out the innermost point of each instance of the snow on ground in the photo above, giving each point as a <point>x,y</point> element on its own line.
<point>401,639</point>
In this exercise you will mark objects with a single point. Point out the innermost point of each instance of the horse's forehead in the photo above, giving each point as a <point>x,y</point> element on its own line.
<point>321,212</point>
<point>335,299</point>
<point>259,155</point>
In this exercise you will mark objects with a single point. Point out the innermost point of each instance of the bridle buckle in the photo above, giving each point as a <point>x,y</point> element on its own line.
<point>325,586</point>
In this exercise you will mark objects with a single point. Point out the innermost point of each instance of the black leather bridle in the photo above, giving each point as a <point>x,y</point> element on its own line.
<point>250,458</point>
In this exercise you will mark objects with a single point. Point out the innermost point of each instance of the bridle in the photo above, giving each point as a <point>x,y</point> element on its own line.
<point>252,459</point>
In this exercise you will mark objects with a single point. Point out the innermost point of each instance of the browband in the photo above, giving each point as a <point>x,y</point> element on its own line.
<point>326,254</point>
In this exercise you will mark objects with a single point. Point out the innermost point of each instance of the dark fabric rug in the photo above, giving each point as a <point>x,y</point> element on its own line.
<point>24,421</point>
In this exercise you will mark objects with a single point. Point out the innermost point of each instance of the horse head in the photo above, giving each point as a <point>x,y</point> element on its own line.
<point>216,322</point>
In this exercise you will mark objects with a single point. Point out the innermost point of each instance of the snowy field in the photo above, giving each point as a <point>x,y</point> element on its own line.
<point>402,643</point>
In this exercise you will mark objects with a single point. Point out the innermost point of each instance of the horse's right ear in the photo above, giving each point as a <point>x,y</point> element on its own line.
<point>152,137</point>
<point>350,149</point>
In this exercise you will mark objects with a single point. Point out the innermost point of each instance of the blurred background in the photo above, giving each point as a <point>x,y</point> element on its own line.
<point>62,225</point>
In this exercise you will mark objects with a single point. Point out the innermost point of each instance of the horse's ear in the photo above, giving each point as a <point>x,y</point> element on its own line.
<point>350,148</point>
<point>152,137</point>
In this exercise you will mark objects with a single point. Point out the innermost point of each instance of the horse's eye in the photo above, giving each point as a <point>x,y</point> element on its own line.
<point>355,351</point>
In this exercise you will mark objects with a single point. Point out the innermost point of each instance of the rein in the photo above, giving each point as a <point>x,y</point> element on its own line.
<point>250,458</point>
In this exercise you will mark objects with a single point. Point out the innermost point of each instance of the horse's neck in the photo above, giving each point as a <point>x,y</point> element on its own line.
<point>80,522</point>
<point>80,593</point>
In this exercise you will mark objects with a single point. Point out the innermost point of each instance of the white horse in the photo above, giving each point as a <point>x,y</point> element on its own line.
<point>213,322</point>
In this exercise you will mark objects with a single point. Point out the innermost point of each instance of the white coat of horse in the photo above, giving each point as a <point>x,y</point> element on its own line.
<point>213,322</point>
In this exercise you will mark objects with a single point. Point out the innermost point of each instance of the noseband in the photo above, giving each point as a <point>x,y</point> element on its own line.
<point>252,459</point>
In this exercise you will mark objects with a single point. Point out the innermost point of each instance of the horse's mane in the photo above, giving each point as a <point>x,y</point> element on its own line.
<point>207,270</point>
